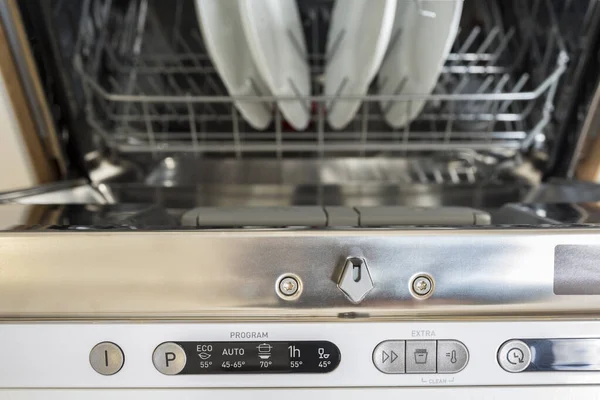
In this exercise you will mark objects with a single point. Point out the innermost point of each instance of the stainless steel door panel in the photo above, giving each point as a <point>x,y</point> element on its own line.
<point>221,274</point>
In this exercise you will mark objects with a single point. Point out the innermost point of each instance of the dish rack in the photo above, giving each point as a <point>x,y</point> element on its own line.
<point>150,87</point>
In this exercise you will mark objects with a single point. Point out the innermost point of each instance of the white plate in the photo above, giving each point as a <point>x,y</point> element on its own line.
<point>226,43</point>
<point>276,39</point>
<point>358,37</point>
<point>414,61</point>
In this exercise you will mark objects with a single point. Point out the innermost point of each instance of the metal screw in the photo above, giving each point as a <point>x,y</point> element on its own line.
<point>288,286</point>
<point>422,285</point>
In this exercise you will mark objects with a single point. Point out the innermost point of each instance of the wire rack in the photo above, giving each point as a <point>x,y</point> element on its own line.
<point>150,86</point>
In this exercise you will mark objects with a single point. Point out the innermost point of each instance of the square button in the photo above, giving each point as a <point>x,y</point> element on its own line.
<point>453,356</point>
<point>421,356</point>
<point>388,356</point>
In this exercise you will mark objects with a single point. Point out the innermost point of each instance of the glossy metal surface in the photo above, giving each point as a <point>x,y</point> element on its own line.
<point>43,207</point>
<point>69,192</point>
<point>221,274</point>
<point>180,182</point>
<point>358,194</point>
<point>131,216</point>
<point>186,171</point>
<point>580,354</point>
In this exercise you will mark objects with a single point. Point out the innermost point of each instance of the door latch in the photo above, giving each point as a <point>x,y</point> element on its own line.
<point>355,281</point>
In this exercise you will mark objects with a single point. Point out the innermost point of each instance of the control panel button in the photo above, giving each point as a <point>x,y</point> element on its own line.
<point>452,356</point>
<point>514,356</point>
<point>421,356</point>
<point>388,356</point>
<point>107,358</point>
<point>169,358</point>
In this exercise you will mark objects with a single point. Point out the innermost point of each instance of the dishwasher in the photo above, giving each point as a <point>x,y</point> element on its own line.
<point>184,253</point>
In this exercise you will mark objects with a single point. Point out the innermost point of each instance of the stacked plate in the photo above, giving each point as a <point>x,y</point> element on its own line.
<point>358,37</point>
<point>225,41</point>
<point>425,32</point>
<point>259,50</point>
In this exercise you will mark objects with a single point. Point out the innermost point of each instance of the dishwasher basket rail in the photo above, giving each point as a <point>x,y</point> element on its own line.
<point>150,87</point>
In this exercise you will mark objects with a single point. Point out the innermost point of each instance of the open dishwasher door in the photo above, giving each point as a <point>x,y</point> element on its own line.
<point>189,251</point>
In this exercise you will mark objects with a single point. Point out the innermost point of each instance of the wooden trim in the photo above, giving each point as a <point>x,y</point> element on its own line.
<point>44,168</point>
<point>588,165</point>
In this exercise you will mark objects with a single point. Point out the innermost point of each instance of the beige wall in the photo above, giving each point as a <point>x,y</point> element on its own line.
<point>16,170</point>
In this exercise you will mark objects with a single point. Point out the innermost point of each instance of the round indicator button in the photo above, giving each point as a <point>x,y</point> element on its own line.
<point>514,356</point>
<point>169,358</point>
<point>107,358</point>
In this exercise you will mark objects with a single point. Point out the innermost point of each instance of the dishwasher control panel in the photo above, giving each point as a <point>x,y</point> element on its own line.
<point>197,358</point>
<point>345,353</point>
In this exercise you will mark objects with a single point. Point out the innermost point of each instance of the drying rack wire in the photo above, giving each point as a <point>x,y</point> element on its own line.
<point>151,88</point>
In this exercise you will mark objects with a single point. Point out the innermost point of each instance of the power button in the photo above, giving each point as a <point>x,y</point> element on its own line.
<point>514,356</point>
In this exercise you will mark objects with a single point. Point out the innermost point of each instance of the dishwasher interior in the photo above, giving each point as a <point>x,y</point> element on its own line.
<point>187,253</point>
<point>144,116</point>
